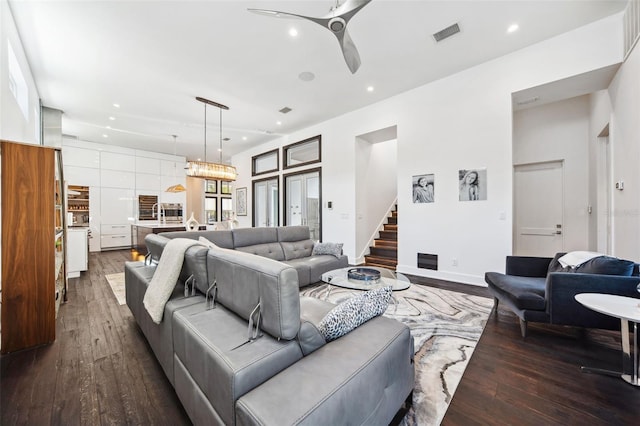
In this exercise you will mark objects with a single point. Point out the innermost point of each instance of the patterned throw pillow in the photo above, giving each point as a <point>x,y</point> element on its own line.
<point>334,249</point>
<point>354,312</point>
<point>341,319</point>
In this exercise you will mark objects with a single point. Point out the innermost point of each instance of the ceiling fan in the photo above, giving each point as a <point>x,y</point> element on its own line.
<point>336,22</point>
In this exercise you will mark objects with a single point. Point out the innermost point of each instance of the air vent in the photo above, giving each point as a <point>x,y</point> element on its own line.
<point>527,101</point>
<point>447,32</point>
<point>428,261</point>
<point>285,110</point>
<point>226,139</point>
<point>631,26</point>
<point>66,136</point>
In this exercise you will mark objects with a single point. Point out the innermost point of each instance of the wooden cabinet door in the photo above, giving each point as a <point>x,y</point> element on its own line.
<point>28,246</point>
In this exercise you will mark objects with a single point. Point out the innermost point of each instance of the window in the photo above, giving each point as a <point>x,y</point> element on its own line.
<point>225,188</point>
<point>226,209</point>
<point>211,186</point>
<point>17,83</point>
<point>211,209</point>
<point>303,152</point>
<point>265,163</point>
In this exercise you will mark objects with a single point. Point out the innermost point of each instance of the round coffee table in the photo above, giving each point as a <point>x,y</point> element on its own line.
<point>628,310</point>
<point>339,278</point>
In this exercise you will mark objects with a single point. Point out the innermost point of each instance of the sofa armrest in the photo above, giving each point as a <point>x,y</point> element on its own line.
<point>527,266</point>
<point>563,309</point>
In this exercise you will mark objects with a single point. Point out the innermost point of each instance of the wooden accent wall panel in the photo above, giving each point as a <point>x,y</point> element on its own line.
<point>28,257</point>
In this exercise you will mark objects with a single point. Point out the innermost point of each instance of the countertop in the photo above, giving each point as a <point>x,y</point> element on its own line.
<point>159,225</point>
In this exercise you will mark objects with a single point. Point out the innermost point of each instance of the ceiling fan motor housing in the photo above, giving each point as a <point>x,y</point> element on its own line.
<point>337,24</point>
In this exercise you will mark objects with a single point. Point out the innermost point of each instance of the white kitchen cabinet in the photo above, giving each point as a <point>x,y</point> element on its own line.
<point>84,176</point>
<point>80,157</point>
<point>77,251</point>
<point>116,161</point>
<point>115,240</point>
<point>117,179</point>
<point>117,206</point>
<point>148,182</point>
<point>148,165</point>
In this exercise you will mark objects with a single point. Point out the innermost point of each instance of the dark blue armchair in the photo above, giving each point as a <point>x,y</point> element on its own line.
<point>538,289</point>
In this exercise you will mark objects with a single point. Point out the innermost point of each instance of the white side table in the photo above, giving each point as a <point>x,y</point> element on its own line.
<point>628,310</point>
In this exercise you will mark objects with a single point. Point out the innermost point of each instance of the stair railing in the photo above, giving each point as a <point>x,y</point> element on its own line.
<point>365,251</point>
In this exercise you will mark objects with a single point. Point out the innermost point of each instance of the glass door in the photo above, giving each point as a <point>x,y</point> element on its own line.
<point>303,200</point>
<point>265,202</point>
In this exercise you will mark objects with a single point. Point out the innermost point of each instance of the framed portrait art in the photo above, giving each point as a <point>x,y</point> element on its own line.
<point>241,201</point>
<point>422,188</point>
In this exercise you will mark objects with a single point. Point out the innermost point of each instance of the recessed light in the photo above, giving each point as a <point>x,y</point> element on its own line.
<point>293,32</point>
<point>513,28</point>
<point>108,127</point>
<point>219,149</point>
<point>279,123</point>
<point>370,89</point>
<point>105,135</point>
<point>116,105</point>
<point>244,138</point>
<point>112,118</point>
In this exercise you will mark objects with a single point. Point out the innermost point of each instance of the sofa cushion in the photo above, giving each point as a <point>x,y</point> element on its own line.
<point>312,310</point>
<point>243,237</point>
<point>212,346</point>
<point>522,292</point>
<point>293,233</point>
<point>354,312</point>
<point>334,249</point>
<point>606,265</point>
<point>297,249</point>
<point>270,250</point>
<point>302,268</point>
<point>222,239</point>
<point>555,265</point>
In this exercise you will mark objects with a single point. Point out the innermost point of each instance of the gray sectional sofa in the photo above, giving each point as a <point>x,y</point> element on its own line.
<point>289,244</point>
<point>252,354</point>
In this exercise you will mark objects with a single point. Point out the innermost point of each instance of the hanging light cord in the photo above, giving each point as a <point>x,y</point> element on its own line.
<point>205,132</point>
<point>220,135</point>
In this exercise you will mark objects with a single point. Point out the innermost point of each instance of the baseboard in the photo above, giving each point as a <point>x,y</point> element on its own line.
<point>443,275</point>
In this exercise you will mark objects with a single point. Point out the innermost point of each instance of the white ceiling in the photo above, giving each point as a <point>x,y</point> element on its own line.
<point>154,57</point>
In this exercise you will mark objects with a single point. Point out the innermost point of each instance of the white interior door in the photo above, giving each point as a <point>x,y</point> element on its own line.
<point>303,201</point>
<point>265,202</point>
<point>538,196</point>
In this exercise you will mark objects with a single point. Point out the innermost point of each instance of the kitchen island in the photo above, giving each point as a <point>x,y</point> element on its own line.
<point>141,230</point>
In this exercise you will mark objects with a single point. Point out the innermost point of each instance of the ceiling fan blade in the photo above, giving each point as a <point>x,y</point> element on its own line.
<point>347,9</point>
<point>349,50</point>
<point>287,15</point>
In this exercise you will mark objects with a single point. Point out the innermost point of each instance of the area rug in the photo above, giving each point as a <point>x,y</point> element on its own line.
<point>446,327</point>
<point>116,282</point>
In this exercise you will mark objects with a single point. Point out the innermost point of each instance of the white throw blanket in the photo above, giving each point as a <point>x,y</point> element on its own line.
<point>165,277</point>
<point>577,258</point>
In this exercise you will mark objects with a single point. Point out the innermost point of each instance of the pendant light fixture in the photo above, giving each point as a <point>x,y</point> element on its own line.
<point>178,187</point>
<point>203,169</point>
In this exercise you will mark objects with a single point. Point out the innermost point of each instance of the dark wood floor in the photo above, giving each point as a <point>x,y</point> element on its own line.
<point>101,371</point>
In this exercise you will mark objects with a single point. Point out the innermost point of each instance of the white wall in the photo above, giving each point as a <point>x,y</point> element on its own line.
<point>624,92</point>
<point>462,121</point>
<point>14,125</point>
<point>599,118</point>
<point>560,131</point>
<point>376,171</point>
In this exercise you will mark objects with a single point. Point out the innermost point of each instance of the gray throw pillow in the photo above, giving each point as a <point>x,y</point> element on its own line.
<point>334,249</point>
<point>354,312</point>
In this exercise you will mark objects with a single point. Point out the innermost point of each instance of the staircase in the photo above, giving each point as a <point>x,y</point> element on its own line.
<point>384,253</point>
